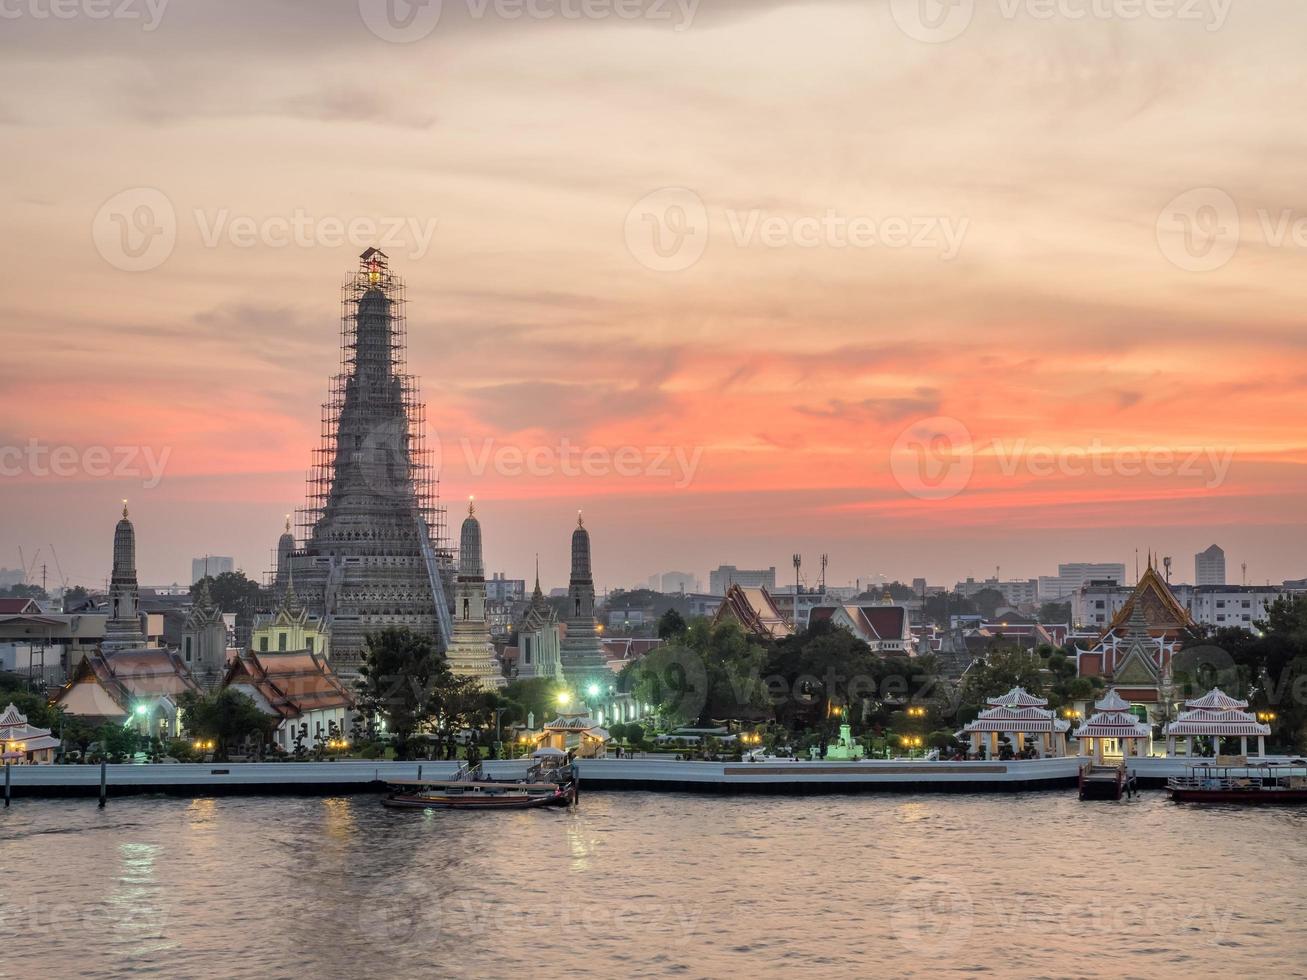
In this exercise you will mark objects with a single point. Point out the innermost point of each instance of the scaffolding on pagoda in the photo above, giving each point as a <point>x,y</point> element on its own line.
<point>1216,715</point>
<point>1016,714</point>
<point>1113,730</point>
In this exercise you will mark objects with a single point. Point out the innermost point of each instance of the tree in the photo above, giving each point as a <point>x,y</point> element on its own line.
<point>21,590</point>
<point>228,717</point>
<point>74,598</point>
<point>117,742</point>
<point>234,593</point>
<point>988,602</point>
<point>1055,612</point>
<point>1000,671</point>
<point>671,625</point>
<point>398,677</point>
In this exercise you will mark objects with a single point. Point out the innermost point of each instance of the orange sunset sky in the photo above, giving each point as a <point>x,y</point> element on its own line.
<point>1128,197</point>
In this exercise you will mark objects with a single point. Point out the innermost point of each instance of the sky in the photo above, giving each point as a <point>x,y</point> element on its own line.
<point>936,290</point>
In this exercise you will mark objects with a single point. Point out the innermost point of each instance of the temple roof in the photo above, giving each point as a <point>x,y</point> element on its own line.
<point>291,683</point>
<point>128,675</point>
<point>1160,611</point>
<point>755,611</point>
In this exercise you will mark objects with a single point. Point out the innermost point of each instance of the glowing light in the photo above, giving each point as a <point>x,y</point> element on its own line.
<point>564,698</point>
<point>593,690</point>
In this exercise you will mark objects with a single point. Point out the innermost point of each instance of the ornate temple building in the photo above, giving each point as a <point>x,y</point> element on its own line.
<point>470,653</point>
<point>539,638</point>
<point>884,628</point>
<point>297,688</point>
<point>754,610</point>
<point>371,555</point>
<point>123,629</point>
<point>290,629</point>
<point>582,654</point>
<point>204,639</point>
<point>1134,652</point>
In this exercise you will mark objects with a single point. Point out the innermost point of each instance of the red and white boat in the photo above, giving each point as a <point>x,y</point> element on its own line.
<point>1270,783</point>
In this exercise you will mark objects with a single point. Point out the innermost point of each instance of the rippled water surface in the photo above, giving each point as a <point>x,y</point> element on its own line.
<point>654,885</point>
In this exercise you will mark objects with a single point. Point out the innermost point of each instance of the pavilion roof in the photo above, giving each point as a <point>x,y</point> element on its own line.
<point>1113,724</point>
<point>1218,700</point>
<point>1112,702</point>
<point>14,728</point>
<point>1006,718</point>
<point>1206,721</point>
<point>1018,697</point>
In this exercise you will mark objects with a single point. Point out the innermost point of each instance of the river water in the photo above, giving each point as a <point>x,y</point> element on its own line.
<point>653,885</point>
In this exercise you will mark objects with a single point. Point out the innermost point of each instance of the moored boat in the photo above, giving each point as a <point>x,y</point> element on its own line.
<point>1269,783</point>
<point>551,781</point>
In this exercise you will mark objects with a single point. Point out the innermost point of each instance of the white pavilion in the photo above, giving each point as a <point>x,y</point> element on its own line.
<point>23,743</point>
<point>1113,730</point>
<point>1217,716</point>
<point>1018,713</point>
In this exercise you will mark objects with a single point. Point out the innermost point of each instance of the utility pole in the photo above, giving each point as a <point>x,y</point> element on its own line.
<point>824,560</point>
<point>798,562</point>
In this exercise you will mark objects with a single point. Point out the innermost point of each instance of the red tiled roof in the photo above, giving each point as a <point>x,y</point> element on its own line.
<point>291,683</point>
<point>17,607</point>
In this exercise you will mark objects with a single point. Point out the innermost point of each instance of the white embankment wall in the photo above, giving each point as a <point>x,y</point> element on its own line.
<point>642,773</point>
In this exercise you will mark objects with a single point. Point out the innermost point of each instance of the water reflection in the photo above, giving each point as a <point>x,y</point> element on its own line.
<point>650,885</point>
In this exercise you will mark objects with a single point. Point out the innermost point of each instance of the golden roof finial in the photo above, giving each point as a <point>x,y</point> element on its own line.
<point>471,505</point>
<point>124,507</point>
<point>580,521</point>
<point>287,523</point>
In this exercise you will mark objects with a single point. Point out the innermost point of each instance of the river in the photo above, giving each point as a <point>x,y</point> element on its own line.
<point>653,885</point>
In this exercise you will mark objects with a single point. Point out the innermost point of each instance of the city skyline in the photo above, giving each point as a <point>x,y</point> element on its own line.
<point>764,387</point>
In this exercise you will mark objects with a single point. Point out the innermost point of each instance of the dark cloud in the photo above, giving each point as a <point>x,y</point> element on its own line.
<point>925,401</point>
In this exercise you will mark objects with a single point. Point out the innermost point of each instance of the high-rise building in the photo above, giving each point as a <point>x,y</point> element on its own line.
<point>671,583</point>
<point>211,566</point>
<point>582,653</point>
<point>1072,575</point>
<point>123,629</point>
<point>373,553</point>
<point>720,580</point>
<point>470,652</point>
<point>1209,567</point>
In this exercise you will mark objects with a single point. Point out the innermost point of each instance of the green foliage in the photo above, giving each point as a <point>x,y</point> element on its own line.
<point>711,673</point>
<point>1000,671</point>
<point>536,696</point>
<point>117,742</point>
<point>74,596</point>
<point>228,717</point>
<point>988,602</point>
<point>181,750</point>
<point>671,625</point>
<point>22,591</point>
<point>1055,612</point>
